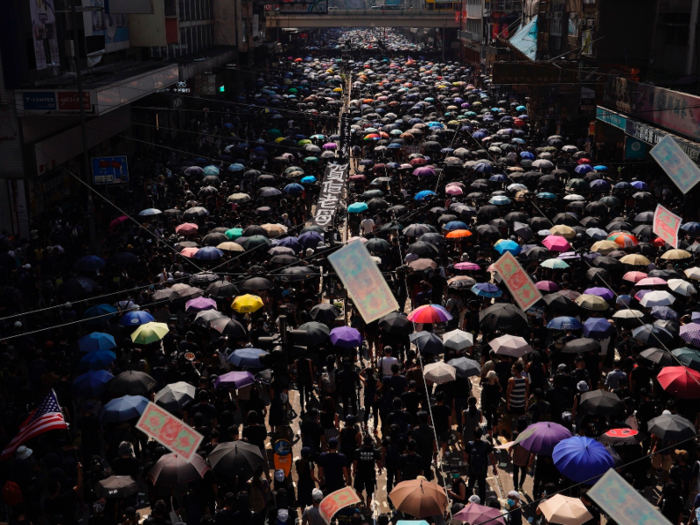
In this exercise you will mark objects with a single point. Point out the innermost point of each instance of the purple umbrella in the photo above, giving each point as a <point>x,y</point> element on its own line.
<point>199,304</point>
<point>234,380</point>
<point>541,438</point>
<point>690,333</point>
<point>310,239</point>
<point>424,171</point>
<point>330,146</point>
<point>600,292</point>
<point>346,337</point>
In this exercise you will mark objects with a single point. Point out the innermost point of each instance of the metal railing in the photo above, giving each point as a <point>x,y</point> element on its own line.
<point>368,13</point>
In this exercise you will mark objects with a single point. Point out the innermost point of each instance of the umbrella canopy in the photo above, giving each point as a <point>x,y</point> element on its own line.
<point>247,357</point>
<point>236,458</point>
<point>175,396</point>
<point>96,341</point>
<point>132,382</point>
<point>234,380</point>
<point>600,402</point>
<point>510,345</point>
<point>476,514</point>
<point>91,383</point>
<point>396,323</point>
<point>419,498</point>
<point>541,438</point>
<point>671,427</point>
<point>429,313</point>
<point>465,367</point>
<point>124,408</point>
<point>582,459</point>
<point>681,381</point>
<point>149,333</point>
<point>116,487</point>
<point>440,372</point>
<point>458,340</point>
<point>427,342</point>
<point>173,471</point>
<point>564,511</point>
<point>346,337</point>
<point>247,303</point>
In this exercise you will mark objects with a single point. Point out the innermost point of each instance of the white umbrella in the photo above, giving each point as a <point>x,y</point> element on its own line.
<point>542,164</point>
<point>693,273</point>
<point>574,197</point>
<point>657,298</point>
<point>511,345</point>
<point>565,511</point>
<point>681,287</point>
<point>458,339</point>
<point>440,372</point>
<point>628,314</point>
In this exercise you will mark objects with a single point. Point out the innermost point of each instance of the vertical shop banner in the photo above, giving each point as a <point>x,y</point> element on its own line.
<point>335,501</point>
<point>44,33</point>
<point>619,500</point>
<point>113,27</point>
<point>345,135</point>
<point>678,166</point>
<point>332,187</point>
<point>518,281</point>
<point>363,281</point>
<point>666,225</point>
<point>169,431</point>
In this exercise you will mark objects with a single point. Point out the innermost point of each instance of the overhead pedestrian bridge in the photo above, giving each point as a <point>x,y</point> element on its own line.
<point>362,18</point>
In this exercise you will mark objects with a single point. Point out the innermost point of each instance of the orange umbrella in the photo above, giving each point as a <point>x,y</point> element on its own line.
<point>419,498</point>
<point>458,234</point>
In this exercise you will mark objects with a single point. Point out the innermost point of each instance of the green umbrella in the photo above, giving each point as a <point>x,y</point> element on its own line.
<point>293,90</point>
<point>149,333</point>
<point>304,142</point>
<point>234,233</point>
<point>255,241</point>
<point>688,357</point>
<point>274,133</point>
<point>310,159</point>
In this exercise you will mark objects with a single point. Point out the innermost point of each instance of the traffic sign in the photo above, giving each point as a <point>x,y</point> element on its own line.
<point>110,170</point>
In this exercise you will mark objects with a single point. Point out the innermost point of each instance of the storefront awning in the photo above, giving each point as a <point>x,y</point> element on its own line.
<point>525,40</point>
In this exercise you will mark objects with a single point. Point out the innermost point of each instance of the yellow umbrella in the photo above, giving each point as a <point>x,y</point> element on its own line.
<point>338,90</point>
<point>149,333</point>
<point>592,302</point>
<point>280,139</point>
<point>565,511</point>
<point>675,255</point>
<point>247,303</point>
<point>563,231</point>
<point>605,247</point>
<point>635,259</point>
<point>231,247</point>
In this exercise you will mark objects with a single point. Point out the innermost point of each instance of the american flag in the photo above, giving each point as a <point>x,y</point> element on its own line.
<point>47,416</point>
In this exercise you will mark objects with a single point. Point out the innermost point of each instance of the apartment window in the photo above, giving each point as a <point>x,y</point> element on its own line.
<point>676,28</point>
<point>555,23</point>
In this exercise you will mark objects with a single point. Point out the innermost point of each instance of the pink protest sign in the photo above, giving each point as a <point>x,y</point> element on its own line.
<point>169,431</point>
<point>517,280</point>
<point>666,225</point>
<point>337,500</point>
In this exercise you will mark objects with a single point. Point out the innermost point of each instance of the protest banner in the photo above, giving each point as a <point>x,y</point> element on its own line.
<point>678,166</point>
<point>169,431</point>
<point>363,281</point>
<point>332,187</point>
<point>336,501</point>
<point>517,281</point>
<point>619,500</point>
<point>666,225</point>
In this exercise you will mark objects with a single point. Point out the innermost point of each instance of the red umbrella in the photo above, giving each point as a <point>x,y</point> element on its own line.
<point>186,228</point>
<point>118,221</point>
<point>681,381</point>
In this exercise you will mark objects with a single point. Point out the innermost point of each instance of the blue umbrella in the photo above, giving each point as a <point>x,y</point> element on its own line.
<point>499,200</point>
<point>346,337</point>
<point>90,263</point>
<point>96,341</point>
<point>92,383</point>
<point>310,239</point>
<point>483,167</point>
<point>149,212</point>
<point>136,318</point>
<point>124,408</point>
<point>236,167</point>
<point>99,311</point>
<point>423,195</point>
<point>638,184</point>
<point>289,242</point>
<point>527,155</point>
<point>597,234</point>
<point>309,179</point>
<point>98,360</point>
<point>600,184</point>
<point>546,195</point>
<point>358,207</point>
<point>294,188</point>
<point>208,253</point>
<point>247,357</point>
<point>664,312</point>
<point>582,458</point>
<point>508,246</point>
<point>691,227</point>
<point>486,290</point>
<point>498,177</point>
<point>564,323</point>
<point>597,328</point>
<point>455,225</point>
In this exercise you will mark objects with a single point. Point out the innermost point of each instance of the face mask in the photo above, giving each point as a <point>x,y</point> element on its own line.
<point>510,502</point>
<point>455,475</point>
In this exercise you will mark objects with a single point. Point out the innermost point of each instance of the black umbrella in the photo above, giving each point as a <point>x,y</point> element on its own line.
<point>423,249</point>
<point>568,219</point>
<point>203,279</point>
<point>175,396</point>
<point>116,487</point>
<point>123,259</point>
<point>671,427</point>
<point>428,342</point>
<point>236,458</point>
<point>222,290</point>
<point>296,274</point>
<point>488,231</point>
<point>608,263</point>
<point>205,317</point>
<point>316,333</point>
<point>173,471</point>
<point>561,305</point>
<point>254,229</point>
<point>255,284</point>
<point>465,367</point>
<point>324,313</point>
<point>229,327</point>
<point>503,317</point>
<point>580,345</point>
<point>601,403</point>
<point>214,239</point>
<point>133,383</point>
<point>658,356</point>
<point>377,245</point>
<point>396,323</point>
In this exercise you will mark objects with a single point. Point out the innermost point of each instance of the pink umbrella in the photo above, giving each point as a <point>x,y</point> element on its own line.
<point>429,313</point>
<point>634,276</point>
<point>547,286</point>
<point>189,252</point>
<point>467,266</point>
<point>187,228</point>
<point>453,190</point>
<point>356,238</point>
<point>199,304</point>
<point>358,177</point>
<point>118,221</point>
<point>476,514</point>
<point>556,243</point>
<point>651,281</point>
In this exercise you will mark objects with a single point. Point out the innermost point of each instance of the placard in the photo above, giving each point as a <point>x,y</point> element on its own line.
<point>666,225</point>
<point>332,187</point>
<point>623,503</point>
<point>677,165</point>
<point>169,431</point>
<point>518,281</point>
<point>363,281</point>
<point>337,500</point>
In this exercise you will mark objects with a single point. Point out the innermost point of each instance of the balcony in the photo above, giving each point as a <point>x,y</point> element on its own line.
<point>502,6</point>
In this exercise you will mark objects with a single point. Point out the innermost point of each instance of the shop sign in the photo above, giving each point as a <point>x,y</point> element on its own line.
<point>635,149</point>
<point>653,136</point>
<point>610,117</point>
<point>110,170</point>
<point>57,102</point>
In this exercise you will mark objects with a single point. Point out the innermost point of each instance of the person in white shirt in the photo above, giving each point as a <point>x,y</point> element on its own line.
<point>386,362</point>
<point>367,226</point>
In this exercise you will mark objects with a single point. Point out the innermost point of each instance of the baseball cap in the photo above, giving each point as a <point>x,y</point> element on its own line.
<point>316,495</point>
<point>514,494</point>
<point>582,386</point>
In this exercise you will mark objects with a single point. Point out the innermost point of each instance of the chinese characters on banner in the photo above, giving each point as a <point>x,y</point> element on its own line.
<point>44,32</point>
<point>518,281</point>
<point>682,171</point>
<point>364,282</point>
<point>666,225</point>
<point>623,503</point>
<point>331,191</point>
<point>169,431</point>
<point>337,500</point>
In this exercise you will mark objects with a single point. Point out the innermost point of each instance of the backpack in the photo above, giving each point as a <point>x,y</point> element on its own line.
<point>12,494</point>
<point>256,500</point>
<point>478,463</point>
<point>328,382</point>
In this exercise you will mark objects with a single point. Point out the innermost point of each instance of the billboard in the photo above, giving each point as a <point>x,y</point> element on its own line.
<point>677,165</point>
<point>304,6</point>
<point>43,17</point>
<point>113,27</point>
<point>54,102</point>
